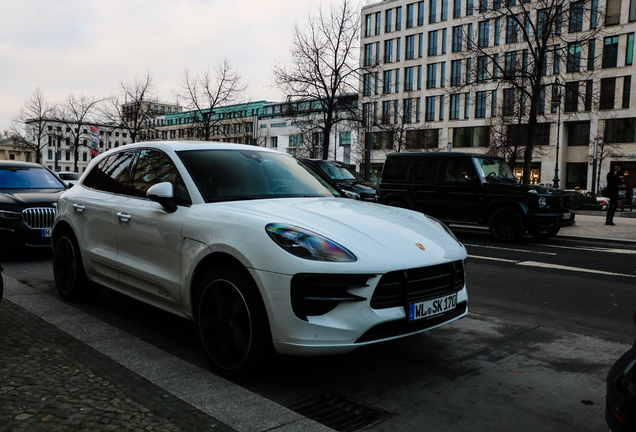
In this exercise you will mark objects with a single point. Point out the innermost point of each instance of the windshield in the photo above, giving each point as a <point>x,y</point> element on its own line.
<point>28,178</point>
<point>338,172</point>
<point>69,176</point>
<point>239,174</point>
<point>495,170</point>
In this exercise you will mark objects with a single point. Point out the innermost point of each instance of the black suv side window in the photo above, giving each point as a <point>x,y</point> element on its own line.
<point>426,170</point>
<point>112,174</point>
<point>458,169</point>
<point>396,169</point>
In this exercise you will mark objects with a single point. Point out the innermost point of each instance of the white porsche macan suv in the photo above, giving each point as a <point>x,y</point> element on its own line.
<point>256,249</point>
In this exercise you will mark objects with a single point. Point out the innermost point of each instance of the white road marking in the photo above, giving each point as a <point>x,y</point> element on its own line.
<point>514,250</point>
<point>595,249</point>
<point>552,266</point>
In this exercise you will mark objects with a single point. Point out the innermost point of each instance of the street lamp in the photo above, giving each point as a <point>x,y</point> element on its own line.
<point>556,103</point>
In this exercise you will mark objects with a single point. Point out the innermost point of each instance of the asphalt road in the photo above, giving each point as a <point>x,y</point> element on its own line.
<point>545,323</point>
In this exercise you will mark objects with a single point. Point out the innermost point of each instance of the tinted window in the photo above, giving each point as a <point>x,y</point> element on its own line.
<point>112,174</point>
<point>458,169</point>
<point>155,167</point>
<point>395,169</point>
<point>231,174</point>
<point>425,170</point>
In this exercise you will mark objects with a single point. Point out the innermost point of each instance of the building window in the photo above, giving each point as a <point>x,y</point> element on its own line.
<point>398,18</point>
<point>543,24</point>
<point>588,95</point>
<point>467,106</point>
<point>432,11</point>
<point>511,30</point>
<point>483,6</point>
<point>408,111</point>
<point>410,47</point>
<point>388,20</point>
<point>388,51</point>
<point>386,112</point>
<point>571,96</point>
<point>456,72</point>
<point>431,76</point>
<point>469,7</point>
<point>468,70</point>
<point>484,34</point>
<point>432,43</point>
<point>629,53</point>
<point>576,17</point>
<point>274,142</point>
<point>419,77</point>
<point>608,90</point>
<point>408,79</point>
<point>442,81</point>
<point>482,69</point>
<point>430,109</point>
<point>574,57</point>
<point>444,41</point>
<point>556,59</point>
<point>480,104</point>
<point>295,141</point>
<point>457,39</point>
<point>613,12</point>
<point>627,85</point>
<point>441,108</point>
<point>366,88</point>
<point>457,8</point>
<point>378,23</point>
<point>420,13</point>
<point>610,52</point>
<point>444,16</point>
<point>345,139</point>
<point>509,102</point>
<point>632,10</point>
<point>511,64</point>
<point>497,31</point>
<point>420,45</point>
<point>454,107</point>
<point>619,131</point>
<point>493,104</point>
<point>471,137</point>
<point>409,15</point>
<point>591,49</point>
<point>387,82</point>
<point>578,133</point>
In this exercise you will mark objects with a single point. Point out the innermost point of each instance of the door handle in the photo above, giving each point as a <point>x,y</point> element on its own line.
<point>79,207</point>
<point>124,217</point>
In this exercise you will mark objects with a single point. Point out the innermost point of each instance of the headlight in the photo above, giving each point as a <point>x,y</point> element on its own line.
<point>443,226</point>
<point>308,245</point>
<point>351,194</point>
<point>542,202</point>
<point>4,214</point>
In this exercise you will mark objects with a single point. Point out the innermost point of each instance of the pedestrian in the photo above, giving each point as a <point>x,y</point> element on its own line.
<point>614,180</point>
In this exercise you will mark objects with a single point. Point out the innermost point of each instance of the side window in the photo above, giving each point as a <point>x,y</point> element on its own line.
<point>395,169</point>
<point>112,174</point>
<point>154,167</point>
<point>426,170</point>
<point>458,169</point>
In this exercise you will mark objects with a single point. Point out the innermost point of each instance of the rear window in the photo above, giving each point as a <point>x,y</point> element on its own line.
<point>395,169</point>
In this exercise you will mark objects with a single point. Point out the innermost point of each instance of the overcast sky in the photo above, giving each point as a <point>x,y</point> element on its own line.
<point>88,46</point>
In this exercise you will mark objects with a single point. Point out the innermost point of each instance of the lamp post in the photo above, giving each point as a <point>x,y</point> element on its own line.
<point>556,102</point>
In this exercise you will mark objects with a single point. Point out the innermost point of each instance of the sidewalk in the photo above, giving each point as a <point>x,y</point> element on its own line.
<point>63,370</point>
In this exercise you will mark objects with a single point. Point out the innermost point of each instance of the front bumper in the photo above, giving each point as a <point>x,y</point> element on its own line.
<point>550,220</point>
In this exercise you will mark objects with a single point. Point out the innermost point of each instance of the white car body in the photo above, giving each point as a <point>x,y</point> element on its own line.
<point>134,246</point>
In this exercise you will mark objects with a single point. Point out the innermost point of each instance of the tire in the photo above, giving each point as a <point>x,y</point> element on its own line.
<point>68,269</point>
<point>232,324</point>
<point>506,225</point>
<point>544,233</point>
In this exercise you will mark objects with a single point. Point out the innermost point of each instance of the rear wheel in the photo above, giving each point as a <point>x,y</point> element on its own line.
<point>232,323</point>
<point>506,225</point>
<point>68,269</point>
<point>544,233</point>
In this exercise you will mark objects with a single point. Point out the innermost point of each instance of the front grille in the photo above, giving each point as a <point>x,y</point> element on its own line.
<point>37,218</point>
<point>399,288</point>
<point>318,294</point>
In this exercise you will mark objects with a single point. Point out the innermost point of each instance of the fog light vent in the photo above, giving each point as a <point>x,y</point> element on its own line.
<point>338,413</point>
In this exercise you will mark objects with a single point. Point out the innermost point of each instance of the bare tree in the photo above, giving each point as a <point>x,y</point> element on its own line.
<point>544,39</point>
<point>37,114</point>
<point>130,113</point>
<point>205,92</point>
<point>324,64</point>
<point>77,114</point>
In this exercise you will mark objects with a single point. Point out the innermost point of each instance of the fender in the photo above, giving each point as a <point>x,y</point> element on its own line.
<point>393,196</point>
<point>495,204</point>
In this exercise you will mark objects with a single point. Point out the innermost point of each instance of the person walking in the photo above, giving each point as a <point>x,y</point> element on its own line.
<point>614,180</point>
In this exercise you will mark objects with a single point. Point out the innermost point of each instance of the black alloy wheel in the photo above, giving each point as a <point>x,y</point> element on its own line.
<point>506,225</point>
<point>68,269</point>
<point>232,323</point>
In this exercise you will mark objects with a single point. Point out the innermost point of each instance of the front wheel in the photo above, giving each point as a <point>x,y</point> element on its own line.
<point>506,225</point>
<point>544,233</point>
<point>68,269</point>
<point>232,323</point>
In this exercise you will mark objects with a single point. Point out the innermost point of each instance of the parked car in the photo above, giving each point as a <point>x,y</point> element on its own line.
<point>344,178</point>
<point>620,406</point>
<point>69,178</point>
<point>473,189</point>
<point>28,193</point>
<point>256,249</point>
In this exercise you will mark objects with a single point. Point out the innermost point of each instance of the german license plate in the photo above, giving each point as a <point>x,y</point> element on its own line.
<point>46,232</point>
<point>567,215</point>
<point>431,308</point>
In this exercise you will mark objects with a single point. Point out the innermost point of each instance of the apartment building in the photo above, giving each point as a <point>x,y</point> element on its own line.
<point>438,77</point>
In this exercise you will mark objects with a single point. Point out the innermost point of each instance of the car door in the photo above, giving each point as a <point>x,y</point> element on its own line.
<point>149,237</point>
<point>460,197</point>
<point>425,184</point>
<point>95,209</point>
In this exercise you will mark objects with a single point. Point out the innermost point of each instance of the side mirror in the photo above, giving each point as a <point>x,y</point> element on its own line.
<point>162,193</point>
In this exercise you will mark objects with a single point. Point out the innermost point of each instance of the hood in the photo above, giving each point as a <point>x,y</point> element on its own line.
<point>379,236</point>
<point>22,198</point>
<point>519,188</point>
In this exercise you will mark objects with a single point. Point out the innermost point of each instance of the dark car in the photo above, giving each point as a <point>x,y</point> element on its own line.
<point>473,189</point>
<point>28,194</point>
<point>620,408</point>
<point>344,178</point>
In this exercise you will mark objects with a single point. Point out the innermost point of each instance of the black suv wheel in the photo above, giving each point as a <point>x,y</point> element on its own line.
<point>506,225</point>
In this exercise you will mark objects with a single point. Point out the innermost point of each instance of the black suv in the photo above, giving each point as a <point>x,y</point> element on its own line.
<point>475,189</point>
